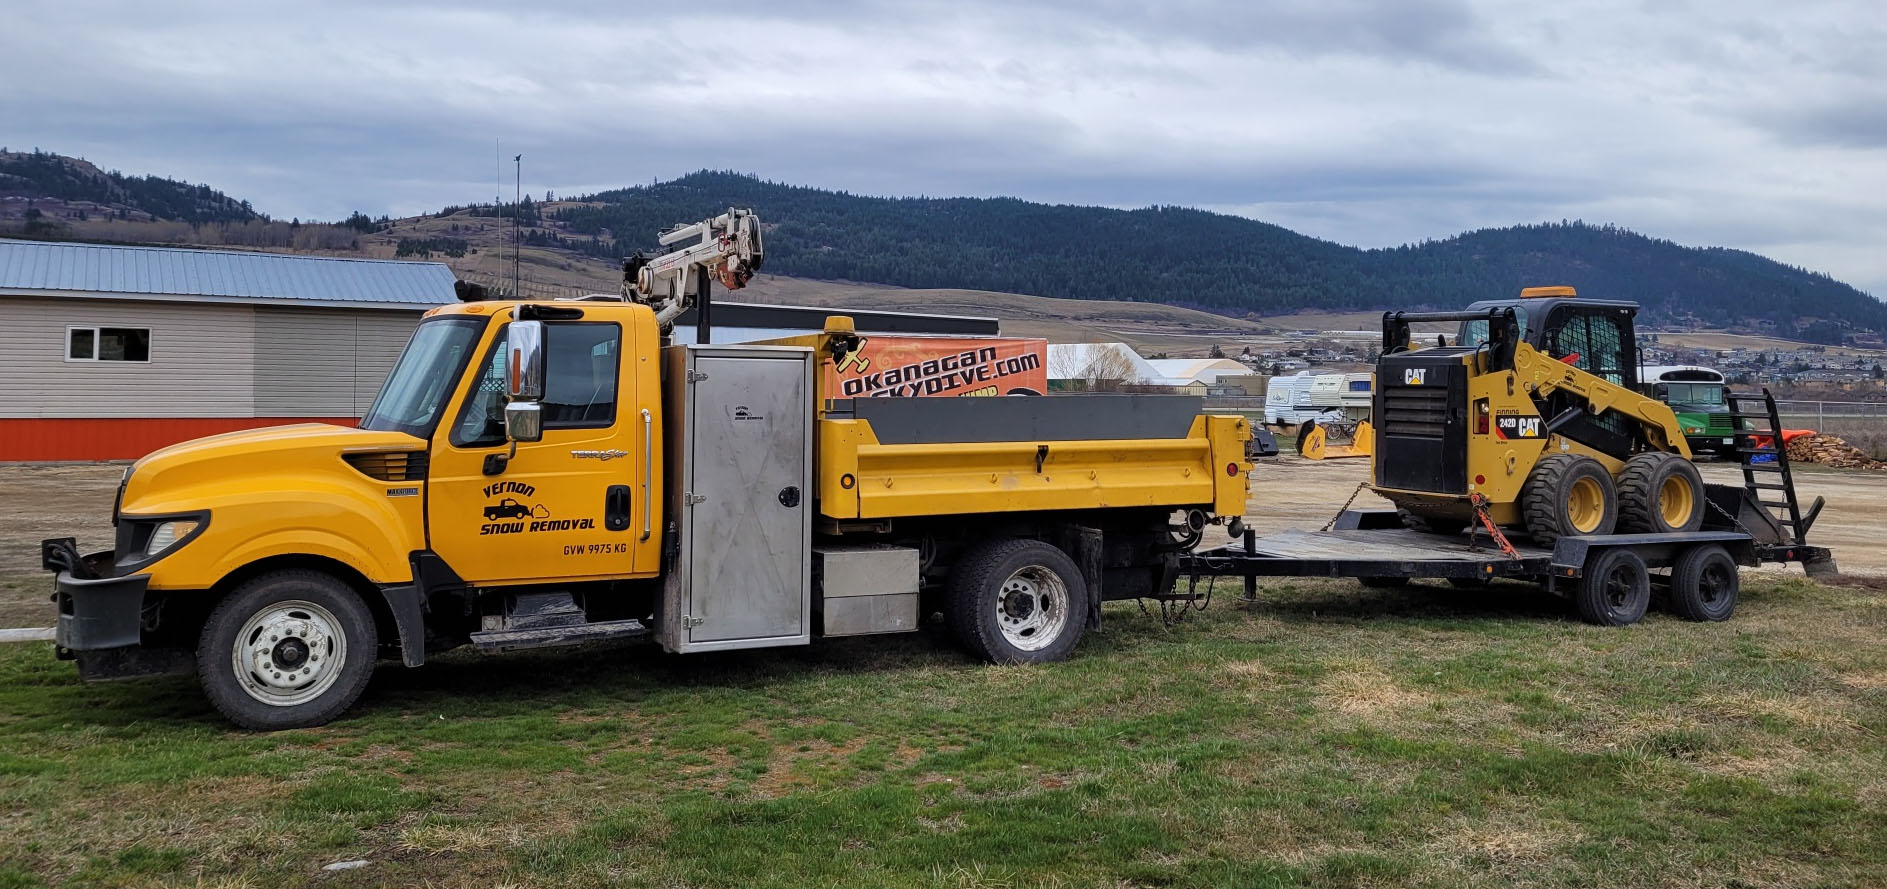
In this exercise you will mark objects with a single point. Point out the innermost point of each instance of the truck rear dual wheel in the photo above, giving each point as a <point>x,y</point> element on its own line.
<point>287,649</point>
<point>1017,601</point>
<point>1660,494</point>
<point>1568,495</point>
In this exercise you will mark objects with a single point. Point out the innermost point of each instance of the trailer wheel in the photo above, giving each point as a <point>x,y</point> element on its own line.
<point>288,649</point>
<point>1660,494</point>
<point>1016,601</point>
<point>1705,584</point>
<point>1568,495</point>
<point>1615,590</point>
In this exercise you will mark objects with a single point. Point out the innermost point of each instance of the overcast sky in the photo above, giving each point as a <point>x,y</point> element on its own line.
<point>1742,123</point>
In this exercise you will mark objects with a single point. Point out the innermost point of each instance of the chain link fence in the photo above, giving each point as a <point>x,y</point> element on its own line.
<point>1859,423</point>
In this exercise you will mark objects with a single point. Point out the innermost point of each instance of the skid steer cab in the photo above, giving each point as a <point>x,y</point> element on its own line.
<point>543,474</point>
<point>1530,417</point>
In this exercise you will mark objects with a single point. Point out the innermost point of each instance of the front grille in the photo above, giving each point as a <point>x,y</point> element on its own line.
<point>1414,411</point>
<point>1719,424</point>
<point>390,466</point>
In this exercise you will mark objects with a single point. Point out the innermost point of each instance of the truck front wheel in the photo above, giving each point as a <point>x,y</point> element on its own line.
<point>287,649</point>
<point>1017,602</point>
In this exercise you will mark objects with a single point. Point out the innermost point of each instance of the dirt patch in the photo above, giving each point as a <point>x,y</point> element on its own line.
<point>1810,712</point>
<point>1365,692</point>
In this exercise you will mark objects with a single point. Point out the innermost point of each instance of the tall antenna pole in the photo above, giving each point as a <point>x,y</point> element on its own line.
<point>498,195</point>
<point>517,209</point>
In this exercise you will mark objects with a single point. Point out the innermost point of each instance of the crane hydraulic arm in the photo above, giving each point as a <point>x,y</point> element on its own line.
<point>729,249</point>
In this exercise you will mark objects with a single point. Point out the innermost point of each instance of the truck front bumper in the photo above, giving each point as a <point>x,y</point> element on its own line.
<point>100,612</point>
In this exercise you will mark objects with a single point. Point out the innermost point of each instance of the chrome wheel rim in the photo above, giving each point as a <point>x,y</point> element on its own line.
<point>289,653</point>
<point>1032,608</point>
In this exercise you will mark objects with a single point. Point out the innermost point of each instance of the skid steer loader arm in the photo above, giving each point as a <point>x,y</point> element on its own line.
<point>1542,375</point>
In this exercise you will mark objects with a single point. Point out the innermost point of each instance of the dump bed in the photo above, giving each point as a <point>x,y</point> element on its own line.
<point>890,457</point>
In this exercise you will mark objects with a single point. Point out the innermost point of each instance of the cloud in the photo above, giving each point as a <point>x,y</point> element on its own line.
<point>1361,122</point>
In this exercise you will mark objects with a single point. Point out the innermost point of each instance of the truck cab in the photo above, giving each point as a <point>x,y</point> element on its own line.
<point>554,473</point>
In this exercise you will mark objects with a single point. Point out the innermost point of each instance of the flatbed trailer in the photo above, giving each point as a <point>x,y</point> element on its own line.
<point>1608,577</point>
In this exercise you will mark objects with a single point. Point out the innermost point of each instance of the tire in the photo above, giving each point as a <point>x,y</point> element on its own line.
<point>1660,494</point>
<point>1568,495</point>
<point>1705,583</point>
<point>1017,601</point>
<point>1383,583</point>
<point>337,648</point>
<point>1431,524</point>
<point>1615,590</point>
<point>1303,434</point>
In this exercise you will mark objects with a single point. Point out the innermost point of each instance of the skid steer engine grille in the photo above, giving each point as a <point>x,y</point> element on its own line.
<point>1422,436</point>
<point>1417,412</point>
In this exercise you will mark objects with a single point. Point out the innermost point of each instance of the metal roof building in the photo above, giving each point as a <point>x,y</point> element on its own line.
<point>114,351</point>
<point>106,271</point>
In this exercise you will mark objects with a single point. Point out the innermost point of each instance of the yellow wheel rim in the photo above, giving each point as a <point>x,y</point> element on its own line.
<point>1586,506</point>
<point>1676,501</point>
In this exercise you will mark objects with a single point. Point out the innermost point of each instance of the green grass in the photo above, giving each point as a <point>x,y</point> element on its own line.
<point>1330,736</point>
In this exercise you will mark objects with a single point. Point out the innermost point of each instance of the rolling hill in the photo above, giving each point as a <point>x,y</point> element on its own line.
<point>1225,264</point>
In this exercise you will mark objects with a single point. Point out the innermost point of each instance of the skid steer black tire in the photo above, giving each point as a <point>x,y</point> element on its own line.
<point>1615,591</point>
<point>1704,584</point>
<point>1660,494</point>
<point>985,580</point>
<point>1546,501</point>
<point>1431,524</point>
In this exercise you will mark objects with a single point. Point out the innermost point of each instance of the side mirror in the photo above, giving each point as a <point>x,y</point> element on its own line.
<point>524,421</point>
<point>524,366</point>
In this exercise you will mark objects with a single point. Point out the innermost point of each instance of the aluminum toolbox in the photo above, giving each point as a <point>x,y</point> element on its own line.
<point>739,439</point>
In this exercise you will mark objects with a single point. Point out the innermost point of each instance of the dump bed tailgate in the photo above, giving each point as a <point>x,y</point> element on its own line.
<point>885,458</point>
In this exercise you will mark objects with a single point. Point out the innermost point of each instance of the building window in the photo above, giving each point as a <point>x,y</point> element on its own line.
<point>108,344</point>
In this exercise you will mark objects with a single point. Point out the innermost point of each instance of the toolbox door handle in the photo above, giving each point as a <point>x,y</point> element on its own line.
<point>648,472</point>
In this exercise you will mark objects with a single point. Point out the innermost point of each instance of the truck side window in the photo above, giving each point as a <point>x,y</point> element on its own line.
<point>582,361</point>
<point>580,377</point>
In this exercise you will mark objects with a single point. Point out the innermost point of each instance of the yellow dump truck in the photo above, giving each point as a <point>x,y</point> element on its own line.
<point>550,473</point>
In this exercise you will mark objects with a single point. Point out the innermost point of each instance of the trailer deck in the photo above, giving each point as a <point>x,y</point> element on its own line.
<point>1374,547</point>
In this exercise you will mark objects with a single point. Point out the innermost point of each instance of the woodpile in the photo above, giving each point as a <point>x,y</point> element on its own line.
<point>1830,450</point>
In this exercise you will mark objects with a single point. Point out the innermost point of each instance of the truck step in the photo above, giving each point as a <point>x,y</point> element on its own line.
<point>545,637</point>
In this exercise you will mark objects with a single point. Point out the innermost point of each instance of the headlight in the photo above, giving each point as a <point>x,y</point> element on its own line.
<point>166,535</point>
<point>1693,430</point>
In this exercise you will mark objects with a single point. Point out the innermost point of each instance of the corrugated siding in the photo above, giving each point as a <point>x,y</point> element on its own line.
<point>202,360</point>
<point>318,362</point>
<point>380,338</point>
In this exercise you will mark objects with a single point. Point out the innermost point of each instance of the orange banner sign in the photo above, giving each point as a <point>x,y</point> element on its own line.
<point>884,366</point>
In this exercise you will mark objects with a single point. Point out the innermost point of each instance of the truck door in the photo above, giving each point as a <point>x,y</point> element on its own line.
<point>567,507</point>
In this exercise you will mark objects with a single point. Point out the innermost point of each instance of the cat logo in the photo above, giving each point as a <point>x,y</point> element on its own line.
<point>1512,426</point>
<point>1414,376</point>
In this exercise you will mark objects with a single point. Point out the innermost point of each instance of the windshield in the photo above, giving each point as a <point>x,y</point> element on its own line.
<point>1474,333</point>
<point>1693,393</point>
<point>416,390</point>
